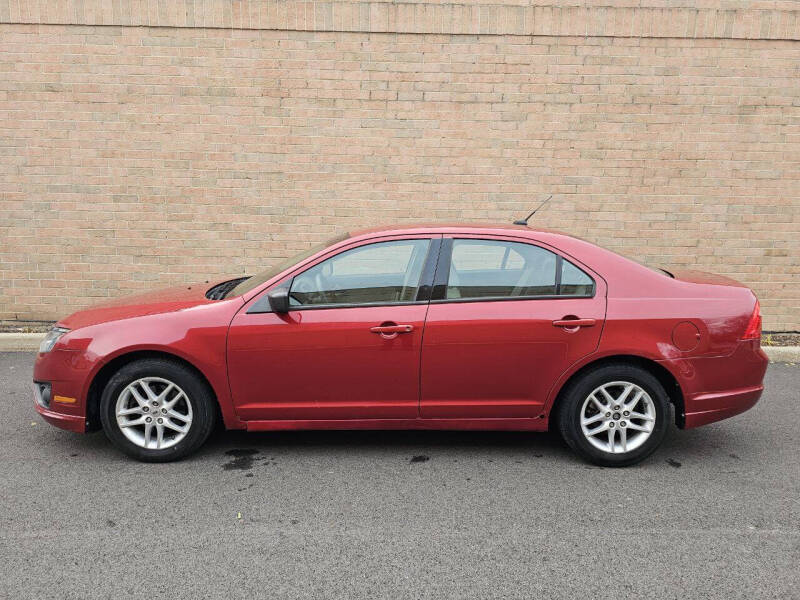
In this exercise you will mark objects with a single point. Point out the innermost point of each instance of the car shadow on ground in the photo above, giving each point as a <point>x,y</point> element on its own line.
<point>679,447</point>
<point>387,438</point>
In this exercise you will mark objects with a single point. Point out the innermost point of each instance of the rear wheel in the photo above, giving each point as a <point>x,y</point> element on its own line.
<point>615,415</point>
<point>157,410</point>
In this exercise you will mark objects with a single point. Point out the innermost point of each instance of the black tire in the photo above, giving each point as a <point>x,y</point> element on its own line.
<point>203,408</point>
<point>568,414</point>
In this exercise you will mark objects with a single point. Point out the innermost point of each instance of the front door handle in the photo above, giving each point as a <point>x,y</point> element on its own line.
<point>574,323</point>
<point>391,330</point>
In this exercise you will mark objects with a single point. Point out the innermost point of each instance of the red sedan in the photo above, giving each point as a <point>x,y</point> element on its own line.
<point>419,327</point>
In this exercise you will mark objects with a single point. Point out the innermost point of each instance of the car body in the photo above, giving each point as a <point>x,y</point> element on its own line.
<point>487,328</point>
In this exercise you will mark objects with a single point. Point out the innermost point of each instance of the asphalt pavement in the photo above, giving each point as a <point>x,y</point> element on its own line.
<point>715,513</point>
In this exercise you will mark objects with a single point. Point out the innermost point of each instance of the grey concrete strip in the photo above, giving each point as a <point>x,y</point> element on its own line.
<point>783,353</point>
<point>29,342</point>
<point>20,342</point>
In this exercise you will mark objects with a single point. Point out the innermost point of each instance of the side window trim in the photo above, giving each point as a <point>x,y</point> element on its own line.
<point>425,286</point>
<point>559,267</point>
<point>442,275</point>
<point>261,305</point>
<point>442,272</point>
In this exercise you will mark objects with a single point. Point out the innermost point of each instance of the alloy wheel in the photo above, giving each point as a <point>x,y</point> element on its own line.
<point>153,413</point>
<point>618,417</point>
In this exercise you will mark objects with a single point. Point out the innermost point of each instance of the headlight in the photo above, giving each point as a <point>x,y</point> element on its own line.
<point>51,338</point>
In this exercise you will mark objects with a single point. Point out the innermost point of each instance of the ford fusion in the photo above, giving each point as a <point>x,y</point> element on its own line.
<point>439,327</point>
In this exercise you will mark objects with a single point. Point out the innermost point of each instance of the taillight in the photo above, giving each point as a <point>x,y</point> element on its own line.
<point>753,331</point>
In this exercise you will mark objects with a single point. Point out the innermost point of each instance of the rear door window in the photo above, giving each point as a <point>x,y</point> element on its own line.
<point>502,269</point>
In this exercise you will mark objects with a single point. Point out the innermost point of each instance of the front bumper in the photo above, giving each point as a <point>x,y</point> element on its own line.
<point>62,421</point>
<point>68,373</point>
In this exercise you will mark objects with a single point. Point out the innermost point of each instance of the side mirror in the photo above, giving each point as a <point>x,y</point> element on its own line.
<point>279,300</point>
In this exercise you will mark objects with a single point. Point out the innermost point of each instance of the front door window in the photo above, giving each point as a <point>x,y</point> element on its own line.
<point>381,273</point>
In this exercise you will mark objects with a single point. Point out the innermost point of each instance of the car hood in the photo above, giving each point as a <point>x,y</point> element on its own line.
<point>149,303</point>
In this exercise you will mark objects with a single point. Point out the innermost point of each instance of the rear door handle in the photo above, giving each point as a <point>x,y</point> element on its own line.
<point>573,323</point>
<point>390,331</point>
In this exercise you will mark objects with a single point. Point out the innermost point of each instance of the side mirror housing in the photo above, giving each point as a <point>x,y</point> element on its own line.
<point>279,300</point>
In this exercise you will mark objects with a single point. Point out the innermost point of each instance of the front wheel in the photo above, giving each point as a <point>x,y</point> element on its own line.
<point>157,410</point>
<point>615,415</point>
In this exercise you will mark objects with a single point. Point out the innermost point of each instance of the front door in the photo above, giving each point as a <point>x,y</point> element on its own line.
<point>498,332</point>
<point>349,348</point>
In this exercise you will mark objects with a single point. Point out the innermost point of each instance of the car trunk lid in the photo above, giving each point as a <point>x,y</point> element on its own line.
<point>702,277</point>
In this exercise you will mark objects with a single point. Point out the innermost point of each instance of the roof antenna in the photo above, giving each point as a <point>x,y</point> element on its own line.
<point>525,220</point>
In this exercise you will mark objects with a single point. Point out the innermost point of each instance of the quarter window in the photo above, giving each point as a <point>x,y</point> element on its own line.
<point>575,282</point>
<point>499,269</point>
<point>385,272</point>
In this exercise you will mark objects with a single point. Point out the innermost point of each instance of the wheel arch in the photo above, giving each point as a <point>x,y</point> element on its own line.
<point>665,377</point>
<point>108,369</point>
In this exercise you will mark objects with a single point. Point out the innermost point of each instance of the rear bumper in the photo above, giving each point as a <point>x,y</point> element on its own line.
<point>715,388</point>
<point>718,406</point>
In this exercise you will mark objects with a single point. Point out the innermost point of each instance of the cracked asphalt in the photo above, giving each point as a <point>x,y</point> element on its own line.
<point>715,513</point>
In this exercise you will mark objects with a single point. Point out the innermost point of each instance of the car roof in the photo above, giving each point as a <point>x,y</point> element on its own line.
<point>401,229</point>
<point>564,241</point>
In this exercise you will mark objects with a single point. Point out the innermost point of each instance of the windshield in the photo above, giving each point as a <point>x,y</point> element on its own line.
<point>255,281</point>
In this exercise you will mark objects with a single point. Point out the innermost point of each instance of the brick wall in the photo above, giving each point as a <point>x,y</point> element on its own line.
<point>150,143</point>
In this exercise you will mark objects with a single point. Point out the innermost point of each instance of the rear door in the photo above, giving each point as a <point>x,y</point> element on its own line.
<point>349,347</point>
<point>506,318</point>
